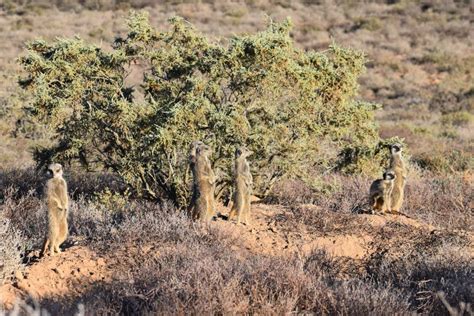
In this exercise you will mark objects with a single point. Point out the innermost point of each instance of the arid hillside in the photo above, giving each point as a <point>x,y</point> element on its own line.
<point>311,247</point>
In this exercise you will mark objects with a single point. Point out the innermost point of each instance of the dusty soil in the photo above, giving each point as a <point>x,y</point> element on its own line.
<point>78,267</point>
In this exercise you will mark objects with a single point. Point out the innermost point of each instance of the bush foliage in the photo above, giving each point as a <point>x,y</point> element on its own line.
<point>257,90</point>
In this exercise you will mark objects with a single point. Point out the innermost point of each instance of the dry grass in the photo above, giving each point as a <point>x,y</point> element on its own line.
<point>444,201</point>
<point>11,249</point>
<point>198,271</point>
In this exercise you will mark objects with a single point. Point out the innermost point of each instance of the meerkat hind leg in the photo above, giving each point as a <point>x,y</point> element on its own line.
<point>52,248</point>
<point>63,232</point>
<point>45,246</point>
<point>378,206</point>
<point>247,213</point>
<point>56,248</point>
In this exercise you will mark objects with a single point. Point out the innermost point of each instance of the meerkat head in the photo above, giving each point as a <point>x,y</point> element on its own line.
<point>203,150</point>
<point>193,149</point>
<point>55,170</point>
<point>195,144</point>
<point>389,175</point>
<point>396,149</point>
<point>242,152</point>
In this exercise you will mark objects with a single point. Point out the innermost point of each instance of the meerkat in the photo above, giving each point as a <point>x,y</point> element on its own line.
<point>381,192</point>
<point>192,162</point>
<point>203,185</point>
<point>242,187</point>
<point>58,204</point>
<point>398,166</point>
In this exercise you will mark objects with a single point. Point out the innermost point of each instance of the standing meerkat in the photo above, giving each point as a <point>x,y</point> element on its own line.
<point>203,185</point>
<point>380,192</point>
<point>243,187</point>
<point>398,166</point>
<point>192,162</point>
<point>58,204</point>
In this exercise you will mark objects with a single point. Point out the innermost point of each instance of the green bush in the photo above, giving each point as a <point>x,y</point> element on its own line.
<point>258,90</point>
<point>445,162</point>
<point>368,159</point>
<point>461,118</point>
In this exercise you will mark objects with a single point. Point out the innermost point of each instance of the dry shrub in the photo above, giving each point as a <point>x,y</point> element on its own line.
<point>449,102</point>
<point>29,181</point>
<point>102,226</point>
<point>291,192</point>
<point>198,272</point>
<point>401,130</point>
<point>27,214</point>
<point>445,161</point>
<point>20,182</point>
<point>91,183</point>
<point>425,264</point>
<point>439,199</point>
<point>342,194</point>
<point>12,243</point>
<point>322,222</point>
<point>443,201</point>
<point>207,278</point>
<point>461,118</point>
